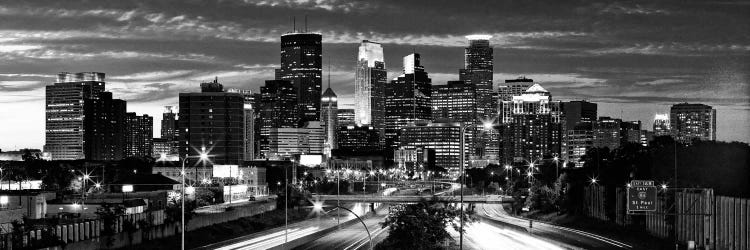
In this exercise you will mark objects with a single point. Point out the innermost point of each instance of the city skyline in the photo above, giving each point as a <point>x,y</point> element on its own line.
<point>702,63</point>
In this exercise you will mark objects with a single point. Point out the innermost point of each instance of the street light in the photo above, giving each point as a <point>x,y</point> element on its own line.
<point>203,157</point>
<point>318,207</point>
<point>557,166</point>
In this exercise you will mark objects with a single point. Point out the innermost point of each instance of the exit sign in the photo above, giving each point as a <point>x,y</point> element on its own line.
<point>641,196</point>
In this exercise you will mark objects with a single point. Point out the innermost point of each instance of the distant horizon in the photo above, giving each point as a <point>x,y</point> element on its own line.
<point>634,59</point>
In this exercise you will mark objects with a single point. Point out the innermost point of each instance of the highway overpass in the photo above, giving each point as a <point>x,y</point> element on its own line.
<point>490,199</point>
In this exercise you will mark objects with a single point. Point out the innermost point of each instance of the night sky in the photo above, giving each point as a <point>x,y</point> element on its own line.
<point>634,58</point>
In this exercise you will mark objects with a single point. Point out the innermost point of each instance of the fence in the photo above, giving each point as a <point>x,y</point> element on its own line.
<point>716,222</point>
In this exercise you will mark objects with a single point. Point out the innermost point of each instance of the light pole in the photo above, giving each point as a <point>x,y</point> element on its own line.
<point>318,206</point>
<point>203,157</point>
<point>557,167</point>
<point>462,130</point>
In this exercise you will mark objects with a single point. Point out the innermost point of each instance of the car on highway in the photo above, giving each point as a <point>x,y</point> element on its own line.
<point>251,198</point>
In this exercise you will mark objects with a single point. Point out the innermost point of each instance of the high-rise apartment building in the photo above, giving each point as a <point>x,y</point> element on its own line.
<point>693,121</point>
<point>369,85</point>
<point>301,64</point>
<point>329,119</point>
<point>105,128</point>
<point>139,134</point>
<point>477,71</point>
<point>64,116</point>
<point>213,120</point>
<point>408,99</point>
<point>530,126</point>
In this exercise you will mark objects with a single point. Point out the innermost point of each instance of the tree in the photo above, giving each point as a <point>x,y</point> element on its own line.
<point>174,209</point>
<point>109,213</point>
<point>422,225</point>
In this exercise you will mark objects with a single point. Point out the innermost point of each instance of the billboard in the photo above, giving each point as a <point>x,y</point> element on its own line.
<point>310,160</point>
<point>225,171</point>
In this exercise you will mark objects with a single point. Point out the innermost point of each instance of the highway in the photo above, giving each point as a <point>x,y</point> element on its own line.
<point>276,237</point>
<point>353,236</point>
<point>568,237</point>
<point>481,235</point>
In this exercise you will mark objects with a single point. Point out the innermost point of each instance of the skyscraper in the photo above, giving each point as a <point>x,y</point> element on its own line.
<point>64,116</point>
<point>168,123</point>
<point>345,117</point>
<point>329,119</point>
<point>369,84</point>
<point>691,121</point>
<point>578,112</point>
<point>514,87</point>
<point>278,109</point>
<point>477,71</point>
<point>214,120</point>
<point>139,135</point>
<point>249,121</point>
<point>408,99</point>
<point>285,143</point>
<point>607,133</point>
<point>530,126</point>
<point>441,136</point>
<point>104,124</point>
<point>457,101</point>
<point>355,140</point>
<point>301,64</point>
<point>661,125</point>
<point>169,130</point>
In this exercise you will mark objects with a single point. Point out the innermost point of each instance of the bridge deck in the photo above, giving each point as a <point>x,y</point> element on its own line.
<point>412,198</point>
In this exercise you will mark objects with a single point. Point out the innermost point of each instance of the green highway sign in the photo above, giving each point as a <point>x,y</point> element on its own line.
<point>641,196</point>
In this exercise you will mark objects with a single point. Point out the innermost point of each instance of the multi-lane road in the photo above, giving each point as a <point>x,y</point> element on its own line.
<point>562,236</point>
<point>351,237</point>
<point>281,236</point>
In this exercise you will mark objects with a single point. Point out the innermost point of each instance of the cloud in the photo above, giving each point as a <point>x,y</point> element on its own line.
<point>13,86</point>
<point>659,82</point>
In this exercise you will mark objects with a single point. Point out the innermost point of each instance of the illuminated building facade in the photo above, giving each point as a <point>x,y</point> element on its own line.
<point>477,71</point>
<point>64,116</point>
<point>692,121</point>
<point>329,119</point>
<point>408,99</point>
<point>369,84</point>
<point>139,135</point>
<point>213,119</point>
<point>661,125</point>
<point>530,126</point>
<point>442,136</point>
<point>301,64</point>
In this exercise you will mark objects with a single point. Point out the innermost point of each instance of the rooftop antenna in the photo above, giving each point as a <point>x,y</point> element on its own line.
<point>329,73</point>
<point>306,27</point>
<point>294,24</point>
